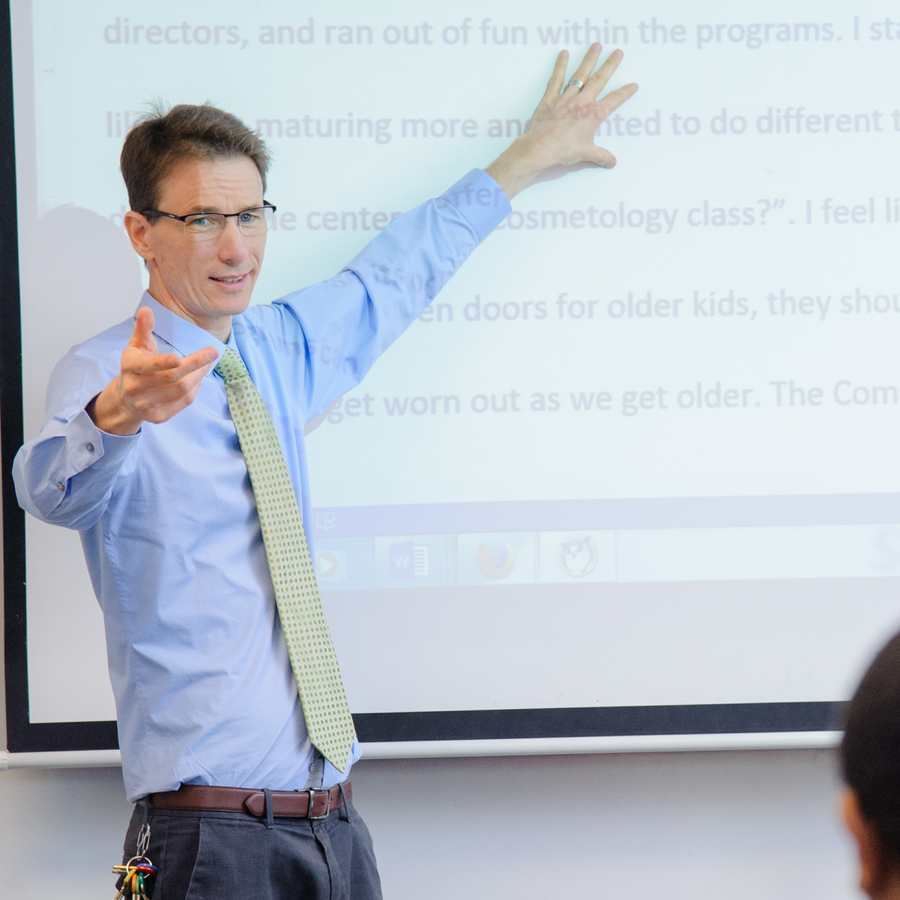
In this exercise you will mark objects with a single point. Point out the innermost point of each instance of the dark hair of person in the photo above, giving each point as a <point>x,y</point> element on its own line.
<point>162,139</point>
<point>870,751</point>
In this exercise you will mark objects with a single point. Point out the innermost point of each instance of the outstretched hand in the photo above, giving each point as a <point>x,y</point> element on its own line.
<point>560,136</point>
<point>151,387</point>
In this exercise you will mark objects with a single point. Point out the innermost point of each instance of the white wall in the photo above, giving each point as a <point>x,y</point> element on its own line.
<point>757,825</point>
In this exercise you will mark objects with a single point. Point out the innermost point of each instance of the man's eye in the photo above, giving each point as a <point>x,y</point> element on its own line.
<point>249,217</point>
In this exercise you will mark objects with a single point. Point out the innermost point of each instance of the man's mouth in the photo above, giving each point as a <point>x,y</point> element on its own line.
<point>229,279</point>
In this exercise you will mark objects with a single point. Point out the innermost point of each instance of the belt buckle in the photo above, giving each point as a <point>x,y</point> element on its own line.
<point>312,793</point>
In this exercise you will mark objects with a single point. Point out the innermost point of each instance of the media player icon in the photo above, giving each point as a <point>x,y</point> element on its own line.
<point>327,565</point>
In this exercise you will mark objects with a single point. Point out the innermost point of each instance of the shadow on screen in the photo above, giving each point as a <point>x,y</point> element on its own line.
<point>79,276</point>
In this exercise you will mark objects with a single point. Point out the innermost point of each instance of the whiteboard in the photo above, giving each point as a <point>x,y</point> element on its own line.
<point>634,472</point>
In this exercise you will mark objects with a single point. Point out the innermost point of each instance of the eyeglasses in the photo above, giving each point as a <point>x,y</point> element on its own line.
<point>208,226</point>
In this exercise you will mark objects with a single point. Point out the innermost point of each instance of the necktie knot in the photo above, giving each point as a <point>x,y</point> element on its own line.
<point>231,367</point>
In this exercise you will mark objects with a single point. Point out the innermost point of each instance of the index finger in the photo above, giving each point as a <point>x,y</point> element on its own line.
<point>201,358</point>
<point>144,363</point>
<point>599,79</point>
<point>192,363</point>
<point>614,99</point>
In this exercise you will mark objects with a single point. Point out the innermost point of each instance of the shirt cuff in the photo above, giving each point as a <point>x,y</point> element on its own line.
<point>88,444</point>
<point>481,201</point>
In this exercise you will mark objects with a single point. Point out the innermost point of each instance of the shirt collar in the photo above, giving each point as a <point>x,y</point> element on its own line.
<point>183,336</point>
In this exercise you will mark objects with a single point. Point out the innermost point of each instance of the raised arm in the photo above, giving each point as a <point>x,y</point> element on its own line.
<point>560,136</point>
<point>350,320</point>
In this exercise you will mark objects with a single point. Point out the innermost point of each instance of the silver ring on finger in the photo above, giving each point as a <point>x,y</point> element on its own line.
<point>576,82</point>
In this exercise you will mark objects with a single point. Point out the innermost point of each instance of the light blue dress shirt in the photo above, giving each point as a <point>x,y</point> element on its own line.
<point>199,668</point>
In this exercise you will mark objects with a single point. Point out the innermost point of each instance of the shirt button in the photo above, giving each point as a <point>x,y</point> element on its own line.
<point>60,486</point>
<point>90,448</point>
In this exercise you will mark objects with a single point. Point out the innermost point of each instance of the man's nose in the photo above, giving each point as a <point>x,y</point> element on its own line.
<point>232,242</point>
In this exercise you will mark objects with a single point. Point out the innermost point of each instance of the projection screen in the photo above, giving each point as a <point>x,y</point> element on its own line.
<point>634,471</point>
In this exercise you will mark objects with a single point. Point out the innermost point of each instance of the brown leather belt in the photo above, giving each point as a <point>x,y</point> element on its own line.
<point>308,804</point>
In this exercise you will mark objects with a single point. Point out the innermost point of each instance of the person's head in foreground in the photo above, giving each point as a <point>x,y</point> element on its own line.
<point>870,757</point>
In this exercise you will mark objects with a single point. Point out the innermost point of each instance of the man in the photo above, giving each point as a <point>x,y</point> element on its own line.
<point>870,755</point>
<point>236,740</point>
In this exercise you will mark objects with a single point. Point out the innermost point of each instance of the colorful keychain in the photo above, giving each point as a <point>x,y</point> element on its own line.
<point>138,869</point>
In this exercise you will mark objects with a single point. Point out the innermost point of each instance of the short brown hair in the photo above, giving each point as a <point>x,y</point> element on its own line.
<point>161,139</point>
<point>870,751</point>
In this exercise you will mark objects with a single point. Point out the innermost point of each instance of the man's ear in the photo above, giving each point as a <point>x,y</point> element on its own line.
<point>139,232</point>
<point>875,864</point>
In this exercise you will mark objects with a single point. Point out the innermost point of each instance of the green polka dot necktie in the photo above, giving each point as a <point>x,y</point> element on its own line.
<point>311,651</point>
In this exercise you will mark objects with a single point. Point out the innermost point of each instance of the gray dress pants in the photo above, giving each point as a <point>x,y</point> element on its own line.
<point>234,856</point>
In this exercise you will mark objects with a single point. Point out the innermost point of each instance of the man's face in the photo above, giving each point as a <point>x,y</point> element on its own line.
<point>205,282</point>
